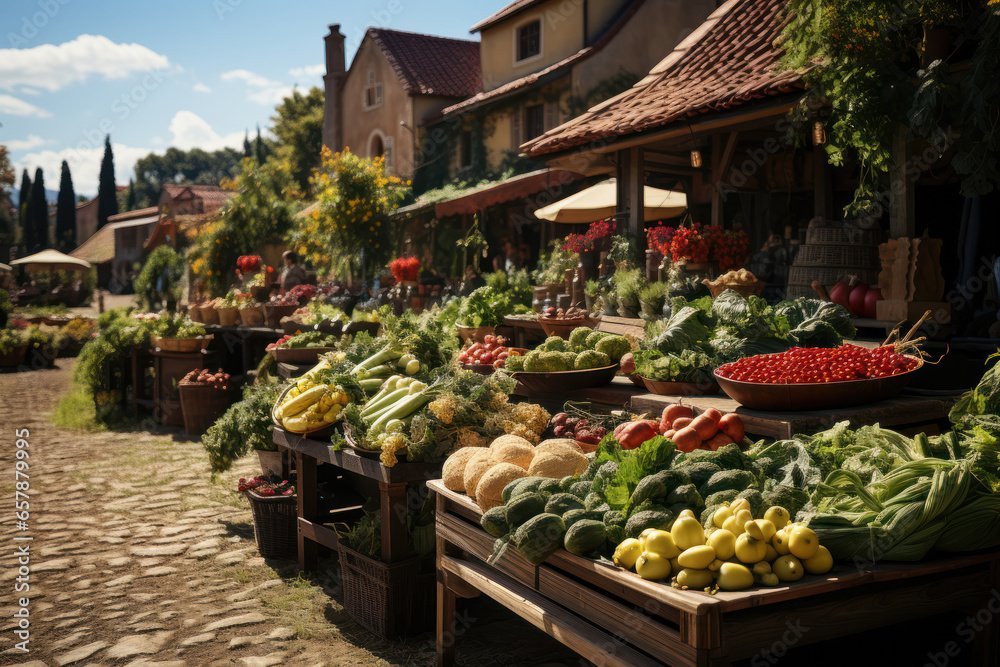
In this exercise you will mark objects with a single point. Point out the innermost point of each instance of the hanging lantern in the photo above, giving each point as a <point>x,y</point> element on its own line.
<point>696,159</point>
<point>819,134</point>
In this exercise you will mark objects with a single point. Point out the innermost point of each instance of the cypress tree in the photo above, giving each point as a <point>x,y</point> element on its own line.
<point>247,149</point>
<point>130,202</point>
<point>37,227</point>
<point>22,203</point>
<point>259,147</point>
<point>107,203</point>
<point>66,212</point>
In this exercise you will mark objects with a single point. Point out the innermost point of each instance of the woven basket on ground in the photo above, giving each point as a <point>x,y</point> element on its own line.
<point>832,253</point>
<point>275,525</point>
<point>390,600</point>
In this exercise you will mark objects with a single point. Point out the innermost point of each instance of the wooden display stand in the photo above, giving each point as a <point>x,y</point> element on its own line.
<point>245,344</point>
<point>169,368</point>
<point>360,478</point>
<point>613,617</point>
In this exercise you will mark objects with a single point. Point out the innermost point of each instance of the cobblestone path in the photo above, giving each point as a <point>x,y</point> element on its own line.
<point>138,558</point>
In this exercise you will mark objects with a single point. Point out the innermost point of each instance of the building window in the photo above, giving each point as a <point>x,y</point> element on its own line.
<point>373,93</point>
<point>465,149</point>
<point>529,40</point>
<point>534,121</point>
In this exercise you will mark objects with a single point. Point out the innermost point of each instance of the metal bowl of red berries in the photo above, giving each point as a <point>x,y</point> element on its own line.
<point>818,378</point>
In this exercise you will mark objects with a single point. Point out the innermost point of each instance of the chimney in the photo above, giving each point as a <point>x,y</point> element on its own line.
<point>332,80</point>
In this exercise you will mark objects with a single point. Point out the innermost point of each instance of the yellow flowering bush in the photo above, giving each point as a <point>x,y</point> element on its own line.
<point>351,225</point>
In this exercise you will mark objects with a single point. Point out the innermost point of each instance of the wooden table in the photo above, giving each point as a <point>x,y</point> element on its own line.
<point>359,478</point>
<point>524,329</point>
<point>899,412</point>
<point>613,617</point>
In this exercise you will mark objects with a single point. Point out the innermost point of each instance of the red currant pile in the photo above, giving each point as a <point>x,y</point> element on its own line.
<point>812,365</point>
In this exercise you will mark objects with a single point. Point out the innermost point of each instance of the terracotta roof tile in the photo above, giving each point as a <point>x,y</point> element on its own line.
<point>99,248</point>
<point>431,65</point>
<point>137,213</point>
<point>212,195</point>
<point>553,70</point>
<point>509,10</point>
<point>727,62</point>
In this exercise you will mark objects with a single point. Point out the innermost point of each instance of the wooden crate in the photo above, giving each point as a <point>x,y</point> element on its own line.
<point>613,617</point>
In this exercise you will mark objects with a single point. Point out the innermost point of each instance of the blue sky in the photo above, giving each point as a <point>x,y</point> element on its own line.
<point>184,73</point>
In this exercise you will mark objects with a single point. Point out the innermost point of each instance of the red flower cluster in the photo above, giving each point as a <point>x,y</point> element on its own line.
<point>700,243</point>
<point>592,239</point>
<point>405,268</point>
<point>18,323</point>
<point>266,486</point>
<point>249,263</point>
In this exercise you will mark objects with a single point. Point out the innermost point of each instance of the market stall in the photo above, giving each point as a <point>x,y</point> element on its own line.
<point>612,617</point>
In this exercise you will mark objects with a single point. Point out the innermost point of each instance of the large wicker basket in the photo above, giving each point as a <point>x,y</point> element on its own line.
<point>390,600</point>
<point>202,404</point>
<point>275,525</point>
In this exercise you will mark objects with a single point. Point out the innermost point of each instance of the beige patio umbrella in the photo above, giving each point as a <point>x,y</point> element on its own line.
<point>601,201</point>
<point>51,260</point>
<point>4,267</point>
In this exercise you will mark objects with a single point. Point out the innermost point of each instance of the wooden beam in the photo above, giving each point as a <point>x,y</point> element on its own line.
<point>902,220</point>
<point>822,185</point>
<point>722,157</point>
<point>657,157</point>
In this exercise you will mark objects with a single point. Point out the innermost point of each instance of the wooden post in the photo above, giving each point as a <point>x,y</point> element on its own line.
<point>393,514</point>
<point>822,185</point>
<point>308,497</point>
<point>902,211</point>
<point>631,200</point>
<point>722,156</point>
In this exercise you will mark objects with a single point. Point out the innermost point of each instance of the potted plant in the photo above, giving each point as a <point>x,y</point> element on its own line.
<point>589,245</point>
<point>226,309</point>
<point>627,283</point>
<point>591,292</point>
<point>552,266</point>
<point>651,298</point>
<point>75,335</point>
<point>42,350</point>
<point>12,347</point>
<point>176,333</point>
<point>251,314</point>
<point>245,427</point>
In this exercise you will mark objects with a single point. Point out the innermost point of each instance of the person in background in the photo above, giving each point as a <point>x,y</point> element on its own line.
<point>293,274</point>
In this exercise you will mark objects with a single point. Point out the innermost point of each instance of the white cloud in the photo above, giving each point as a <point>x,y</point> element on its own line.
<point>53,67</point>
<point>251,79</point>
<point>16,107</point>
<point>190,130</point>
<point>259,88</point>
<point>201,88</point>
<point>33,141</point>
<point>84,165</point>
<point>308,70</point>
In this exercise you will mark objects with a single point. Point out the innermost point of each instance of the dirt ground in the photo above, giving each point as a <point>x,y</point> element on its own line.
<point>138,558</point>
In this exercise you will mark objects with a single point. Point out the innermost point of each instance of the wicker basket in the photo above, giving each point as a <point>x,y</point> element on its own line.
<point>194,313</point>
<point>804,275</point>
<point>209,315</point>
<point>837,255</point>
<point>843,234</point>
<point>228,317</point>
<point>183,344</point>
<point>252,316</point>
<point>275,525</point>
<point>390,600</point>
<point>202,404</point>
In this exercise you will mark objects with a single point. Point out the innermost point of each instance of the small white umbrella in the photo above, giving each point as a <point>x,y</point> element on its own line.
<point>51,260</point>
<point>601,201</point>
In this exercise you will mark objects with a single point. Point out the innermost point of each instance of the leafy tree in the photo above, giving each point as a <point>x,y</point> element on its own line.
<point>37,227</point>
<point>352,226</point>
<point>66,211</point>
<point>196,166</point>
<point>258,215</point>
<point>298,126</point>
<point>107,204</point>
<point>24,194</point>
<point>159,280</point>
